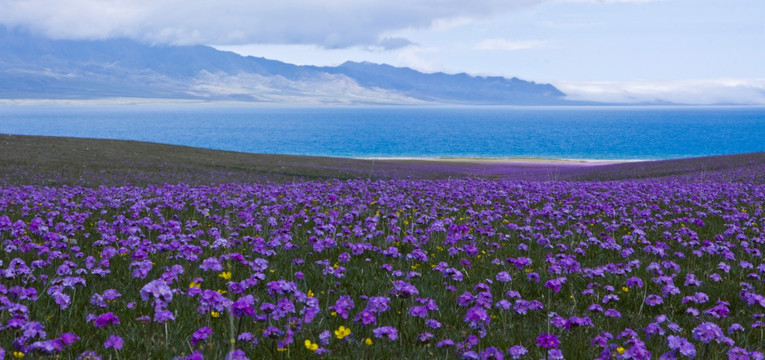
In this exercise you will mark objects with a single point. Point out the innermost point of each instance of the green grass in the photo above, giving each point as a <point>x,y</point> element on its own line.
<point>53,161</point>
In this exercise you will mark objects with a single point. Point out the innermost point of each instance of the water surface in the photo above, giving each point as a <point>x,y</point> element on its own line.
<point>616,133</point>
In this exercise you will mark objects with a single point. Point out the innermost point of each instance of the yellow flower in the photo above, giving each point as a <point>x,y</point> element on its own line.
<point>625,289</point>
<point>368,341</point>
<point>221,291</point>
<point>310,293</point>
<point>620,350</point>
<point>18,354</point>
<point>333,313</point>
<point>342,332</point>
<point>214,314</point>
<point>226,275</point>
<point>281,349</point>
<point>311,346</point>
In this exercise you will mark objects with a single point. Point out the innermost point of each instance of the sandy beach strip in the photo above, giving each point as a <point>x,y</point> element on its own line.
<point>503,161</point>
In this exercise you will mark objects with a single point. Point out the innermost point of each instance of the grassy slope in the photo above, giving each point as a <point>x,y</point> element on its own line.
<point>35,160</point>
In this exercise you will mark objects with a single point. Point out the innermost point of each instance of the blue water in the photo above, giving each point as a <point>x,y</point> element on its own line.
<point>488,132</point>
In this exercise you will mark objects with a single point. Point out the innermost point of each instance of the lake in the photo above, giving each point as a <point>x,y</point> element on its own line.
<point>602,133</point>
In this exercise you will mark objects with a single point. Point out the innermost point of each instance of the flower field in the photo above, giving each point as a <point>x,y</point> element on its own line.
<point>408,269</point>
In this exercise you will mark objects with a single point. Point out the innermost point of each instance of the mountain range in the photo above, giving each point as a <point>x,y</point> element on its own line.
<point>36,68</point>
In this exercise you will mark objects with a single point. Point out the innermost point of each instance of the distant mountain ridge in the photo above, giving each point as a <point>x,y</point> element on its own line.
<point>33,67</point>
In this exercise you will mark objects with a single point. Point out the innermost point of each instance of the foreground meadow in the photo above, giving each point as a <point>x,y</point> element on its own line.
<point>469,268</point>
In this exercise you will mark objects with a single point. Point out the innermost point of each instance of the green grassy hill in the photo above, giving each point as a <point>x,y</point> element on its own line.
<point>49,161</point>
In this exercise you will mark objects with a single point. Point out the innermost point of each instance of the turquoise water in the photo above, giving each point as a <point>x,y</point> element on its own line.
<point>489,132</point>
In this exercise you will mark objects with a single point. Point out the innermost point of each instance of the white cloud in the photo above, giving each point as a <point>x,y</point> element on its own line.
<point>327,23</point>
<point>609,1</point>
<point>697,91</point>
<point>507,45</point>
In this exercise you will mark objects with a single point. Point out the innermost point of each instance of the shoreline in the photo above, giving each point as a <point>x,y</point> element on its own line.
<point>508,160</point>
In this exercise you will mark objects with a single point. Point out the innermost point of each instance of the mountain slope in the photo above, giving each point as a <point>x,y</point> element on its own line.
<point>441,86</point>
<point>33,67</point>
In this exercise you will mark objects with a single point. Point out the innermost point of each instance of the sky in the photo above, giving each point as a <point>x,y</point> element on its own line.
<point>697,51</point>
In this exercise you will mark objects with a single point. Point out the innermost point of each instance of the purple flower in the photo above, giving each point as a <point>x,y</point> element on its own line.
<point>161,315</point>
<point>244,306</point>
<point>324,337</point>
<point>88,355</point>
<point>444,343</point>
<point>634,282</point>
<point>653,300</point>
<point>737,353</point>
<point>719,311</point>
<point>555,354</point>
<point>63,300</point>
<point>503,304</point>
<point>245,336</point>
<point>465,299</point>
<point>106,319</point>
<point>199,335</point>
<point>378,304</point>
<point>158,290</point>
<point>504,276</point>
<point>418,311</point>
<point>476,316</point>
<point>211,264</point>
<point>403,289</point>
<point>237,355</point>
<point>113,342</point>
<point>517,351</point>
<point>142,268</point>
<point>212,299</point>
<point>432,323</point>
<point>273,332</point>
<point>601,339</point>
<point>47,346</point>
<point>735,327</point>
<point>196,355</point>
<point>342,306</point>
<point>366,317</point>
<point>555,284</point>
<point>425,337</point>
<point>384,331</point>
<point>471,355</point>
<point>68,338</point>
<point>681,345</point>
<point>707,332</point>
<point>492,353</point>
<point>548,341</point>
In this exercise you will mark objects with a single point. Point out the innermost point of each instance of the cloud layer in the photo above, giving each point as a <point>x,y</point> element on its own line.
<point>327,23</point>
<point>697,92</point>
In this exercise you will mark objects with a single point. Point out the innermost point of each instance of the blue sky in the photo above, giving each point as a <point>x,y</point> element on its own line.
<point>702,51</point>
